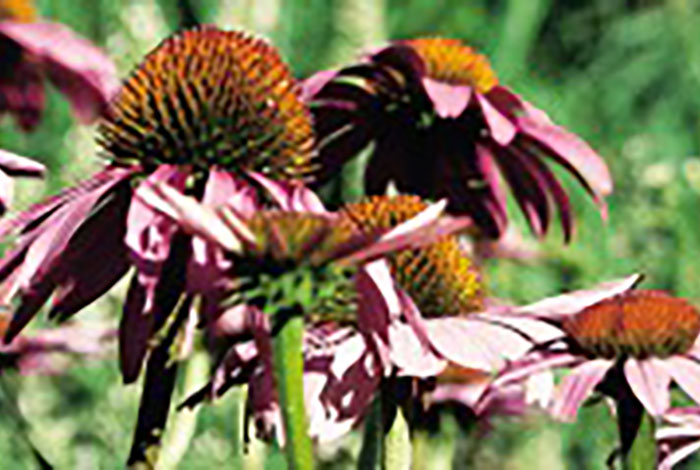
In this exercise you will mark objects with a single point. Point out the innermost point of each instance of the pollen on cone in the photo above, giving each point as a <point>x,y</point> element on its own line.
<point>207,97</point>
<point>450,61</point>
<point>439,277</point>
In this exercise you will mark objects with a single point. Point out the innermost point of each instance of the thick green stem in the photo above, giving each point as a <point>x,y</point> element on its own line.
<point>396,449</point>
<point>289,374</point>
<point>638,446</point>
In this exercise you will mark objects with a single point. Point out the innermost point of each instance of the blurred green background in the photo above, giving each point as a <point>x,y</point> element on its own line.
<point>624,75</point>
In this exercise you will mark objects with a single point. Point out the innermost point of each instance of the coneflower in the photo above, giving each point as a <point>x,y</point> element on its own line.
<point>441,126</point>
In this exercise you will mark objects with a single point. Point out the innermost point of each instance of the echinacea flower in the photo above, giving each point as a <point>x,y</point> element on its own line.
<point>213,113</point>
<point>611,337</point>
<point>680,438</point>
<point>374,332</point>
<point>15,165</point>
<point>442,126</point>
<point>33,51</point>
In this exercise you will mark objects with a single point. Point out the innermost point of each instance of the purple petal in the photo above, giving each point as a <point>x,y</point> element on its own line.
<point>650,382</point>
<point>535,363</point>
<point>502,130</point>
<point>16,165</point>
<point>291,196</point>
<point>79,69</point>
<point>378,302</point>
<point>449,100</point>
<point>135,329</point>
<point>686,373</point>
<point>6,191</point>
<point>677,455</point>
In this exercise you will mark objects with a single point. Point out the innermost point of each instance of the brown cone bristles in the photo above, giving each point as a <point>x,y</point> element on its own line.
<point>440,277</point>
<point>207,97</point>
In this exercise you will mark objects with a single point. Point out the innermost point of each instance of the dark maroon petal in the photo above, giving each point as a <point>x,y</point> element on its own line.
<point>95,259</point>
<point>312,85</point>
<point>16,165</point>
<point>527,185</point>
<point>21,92</point>
<point>32,217</point>
<point>158,388</point>
<point>338,150</point>
<point>79,69</point>
<point>134,330</point>
<point>506,102</point>
<point>402,58</point>
<point>379,77</point>
<point>345,96</point>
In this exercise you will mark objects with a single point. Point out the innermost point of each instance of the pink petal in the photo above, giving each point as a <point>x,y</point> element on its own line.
<point>420,230</point>
<point>677,455</point>
<point>291,196</point>
<point>650,382</point>
<point>576,387</point>
<point>502,130</point>
<point>475,344</point>
<point>535,363</point>
<point>569,148</point>
<point>573,302</point>
<point>449,100</point>
<point>534,330</point>
<point>6,191</point>
<point>13,164</point>
<point>686,373</point>
<point>410,355</point>
<point>312,85</point>
<point>78,68</point>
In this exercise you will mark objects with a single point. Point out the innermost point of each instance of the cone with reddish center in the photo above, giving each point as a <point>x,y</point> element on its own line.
<point>638,324</point>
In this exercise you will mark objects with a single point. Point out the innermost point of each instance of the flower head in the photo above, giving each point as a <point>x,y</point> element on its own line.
<point>613,333</point>
<point>442,126</point>
<point>32,51</point>
<point>207,112</point>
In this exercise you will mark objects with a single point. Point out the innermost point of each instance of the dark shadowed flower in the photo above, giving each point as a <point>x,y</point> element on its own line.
<point>377,329</point>
<point>680,438</point>
<point>441,126</point>
<point>33,51</point>
<point>611,335</point>
<point>214,114</point>
<point>15,165</point>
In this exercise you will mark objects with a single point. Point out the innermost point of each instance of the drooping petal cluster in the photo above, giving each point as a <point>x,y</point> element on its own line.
<point>442,127</point>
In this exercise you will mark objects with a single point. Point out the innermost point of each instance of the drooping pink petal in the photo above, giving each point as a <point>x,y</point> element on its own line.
<point>567,149</point>
<point>79,69</point>
<point>134,330</point>
<point>686,373</point>
<point>570,303</point>
<point>650,382</point>
<point>532,329</point>
<point>576,387</point>
<point>312,85</point>
<point>449,100</point>
<point>502,130</point>
<point>16,165</point>
<point>378,303</point>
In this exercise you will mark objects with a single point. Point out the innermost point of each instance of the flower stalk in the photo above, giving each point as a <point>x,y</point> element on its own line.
<point>396,448</point>
<point>636,426</point>
<point>289,373</point>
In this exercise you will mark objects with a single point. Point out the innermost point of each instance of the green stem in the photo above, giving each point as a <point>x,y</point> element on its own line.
<point>396,449</point>
<point>289,374</point>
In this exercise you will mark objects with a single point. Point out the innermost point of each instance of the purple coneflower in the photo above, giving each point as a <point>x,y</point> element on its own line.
<point>32,51</point>
<point>377,329</point>
<point>614,339</point>
<point>441,126</point>
<point>215,114</point>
